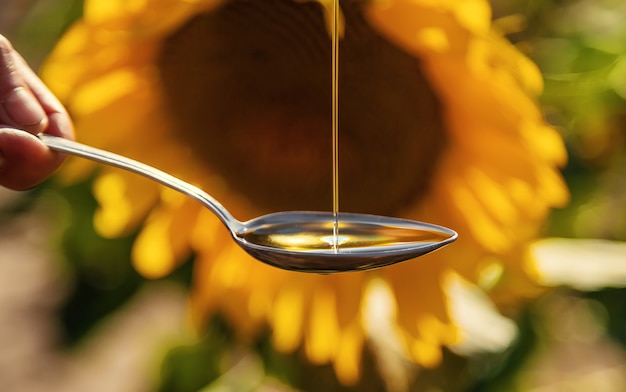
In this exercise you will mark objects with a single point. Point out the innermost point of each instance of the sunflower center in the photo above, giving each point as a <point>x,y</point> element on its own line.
<point>248,86</point>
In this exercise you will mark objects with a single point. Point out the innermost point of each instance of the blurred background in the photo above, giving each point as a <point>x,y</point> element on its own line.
<point>75,316</point>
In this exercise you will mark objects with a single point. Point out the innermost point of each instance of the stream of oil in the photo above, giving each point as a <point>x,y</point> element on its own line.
<point>335,120</point>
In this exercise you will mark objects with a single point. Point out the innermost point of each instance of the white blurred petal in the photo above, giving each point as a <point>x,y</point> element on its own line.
<point>380,324</point>
<point>481,327</point>
<point>584,264</point>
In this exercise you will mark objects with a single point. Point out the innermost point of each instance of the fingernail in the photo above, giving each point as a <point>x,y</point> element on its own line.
<point>23,108</point>
<point>2,162</point>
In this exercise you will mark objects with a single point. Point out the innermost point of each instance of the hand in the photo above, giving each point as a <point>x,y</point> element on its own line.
<point>27,108</point>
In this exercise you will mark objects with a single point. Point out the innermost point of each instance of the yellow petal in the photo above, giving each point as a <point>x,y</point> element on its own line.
<point>287,319</point>
<point>323,331</point>
<point>153,255</point>
<point>348,356</point>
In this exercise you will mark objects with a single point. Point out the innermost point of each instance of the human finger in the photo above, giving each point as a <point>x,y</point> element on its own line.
<point>26,104</point>
<point>24,160</point>
<point>19,107</point>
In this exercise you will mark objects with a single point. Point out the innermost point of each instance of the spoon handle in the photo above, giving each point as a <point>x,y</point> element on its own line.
<point>108,158</point>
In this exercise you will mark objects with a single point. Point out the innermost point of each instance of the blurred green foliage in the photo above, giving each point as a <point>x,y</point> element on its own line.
<point>103,277</point>
<point>40,26</point>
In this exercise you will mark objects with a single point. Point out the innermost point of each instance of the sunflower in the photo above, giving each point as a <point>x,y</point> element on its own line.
<point>438,123</point>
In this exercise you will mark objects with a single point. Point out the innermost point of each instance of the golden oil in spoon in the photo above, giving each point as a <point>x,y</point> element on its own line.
<point>315,236</point>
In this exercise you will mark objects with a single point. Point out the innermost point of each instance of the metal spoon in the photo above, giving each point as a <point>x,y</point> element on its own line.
<point>296,240</point>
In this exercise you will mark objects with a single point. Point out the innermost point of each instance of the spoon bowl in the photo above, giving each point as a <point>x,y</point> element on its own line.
<point>302,241</point>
